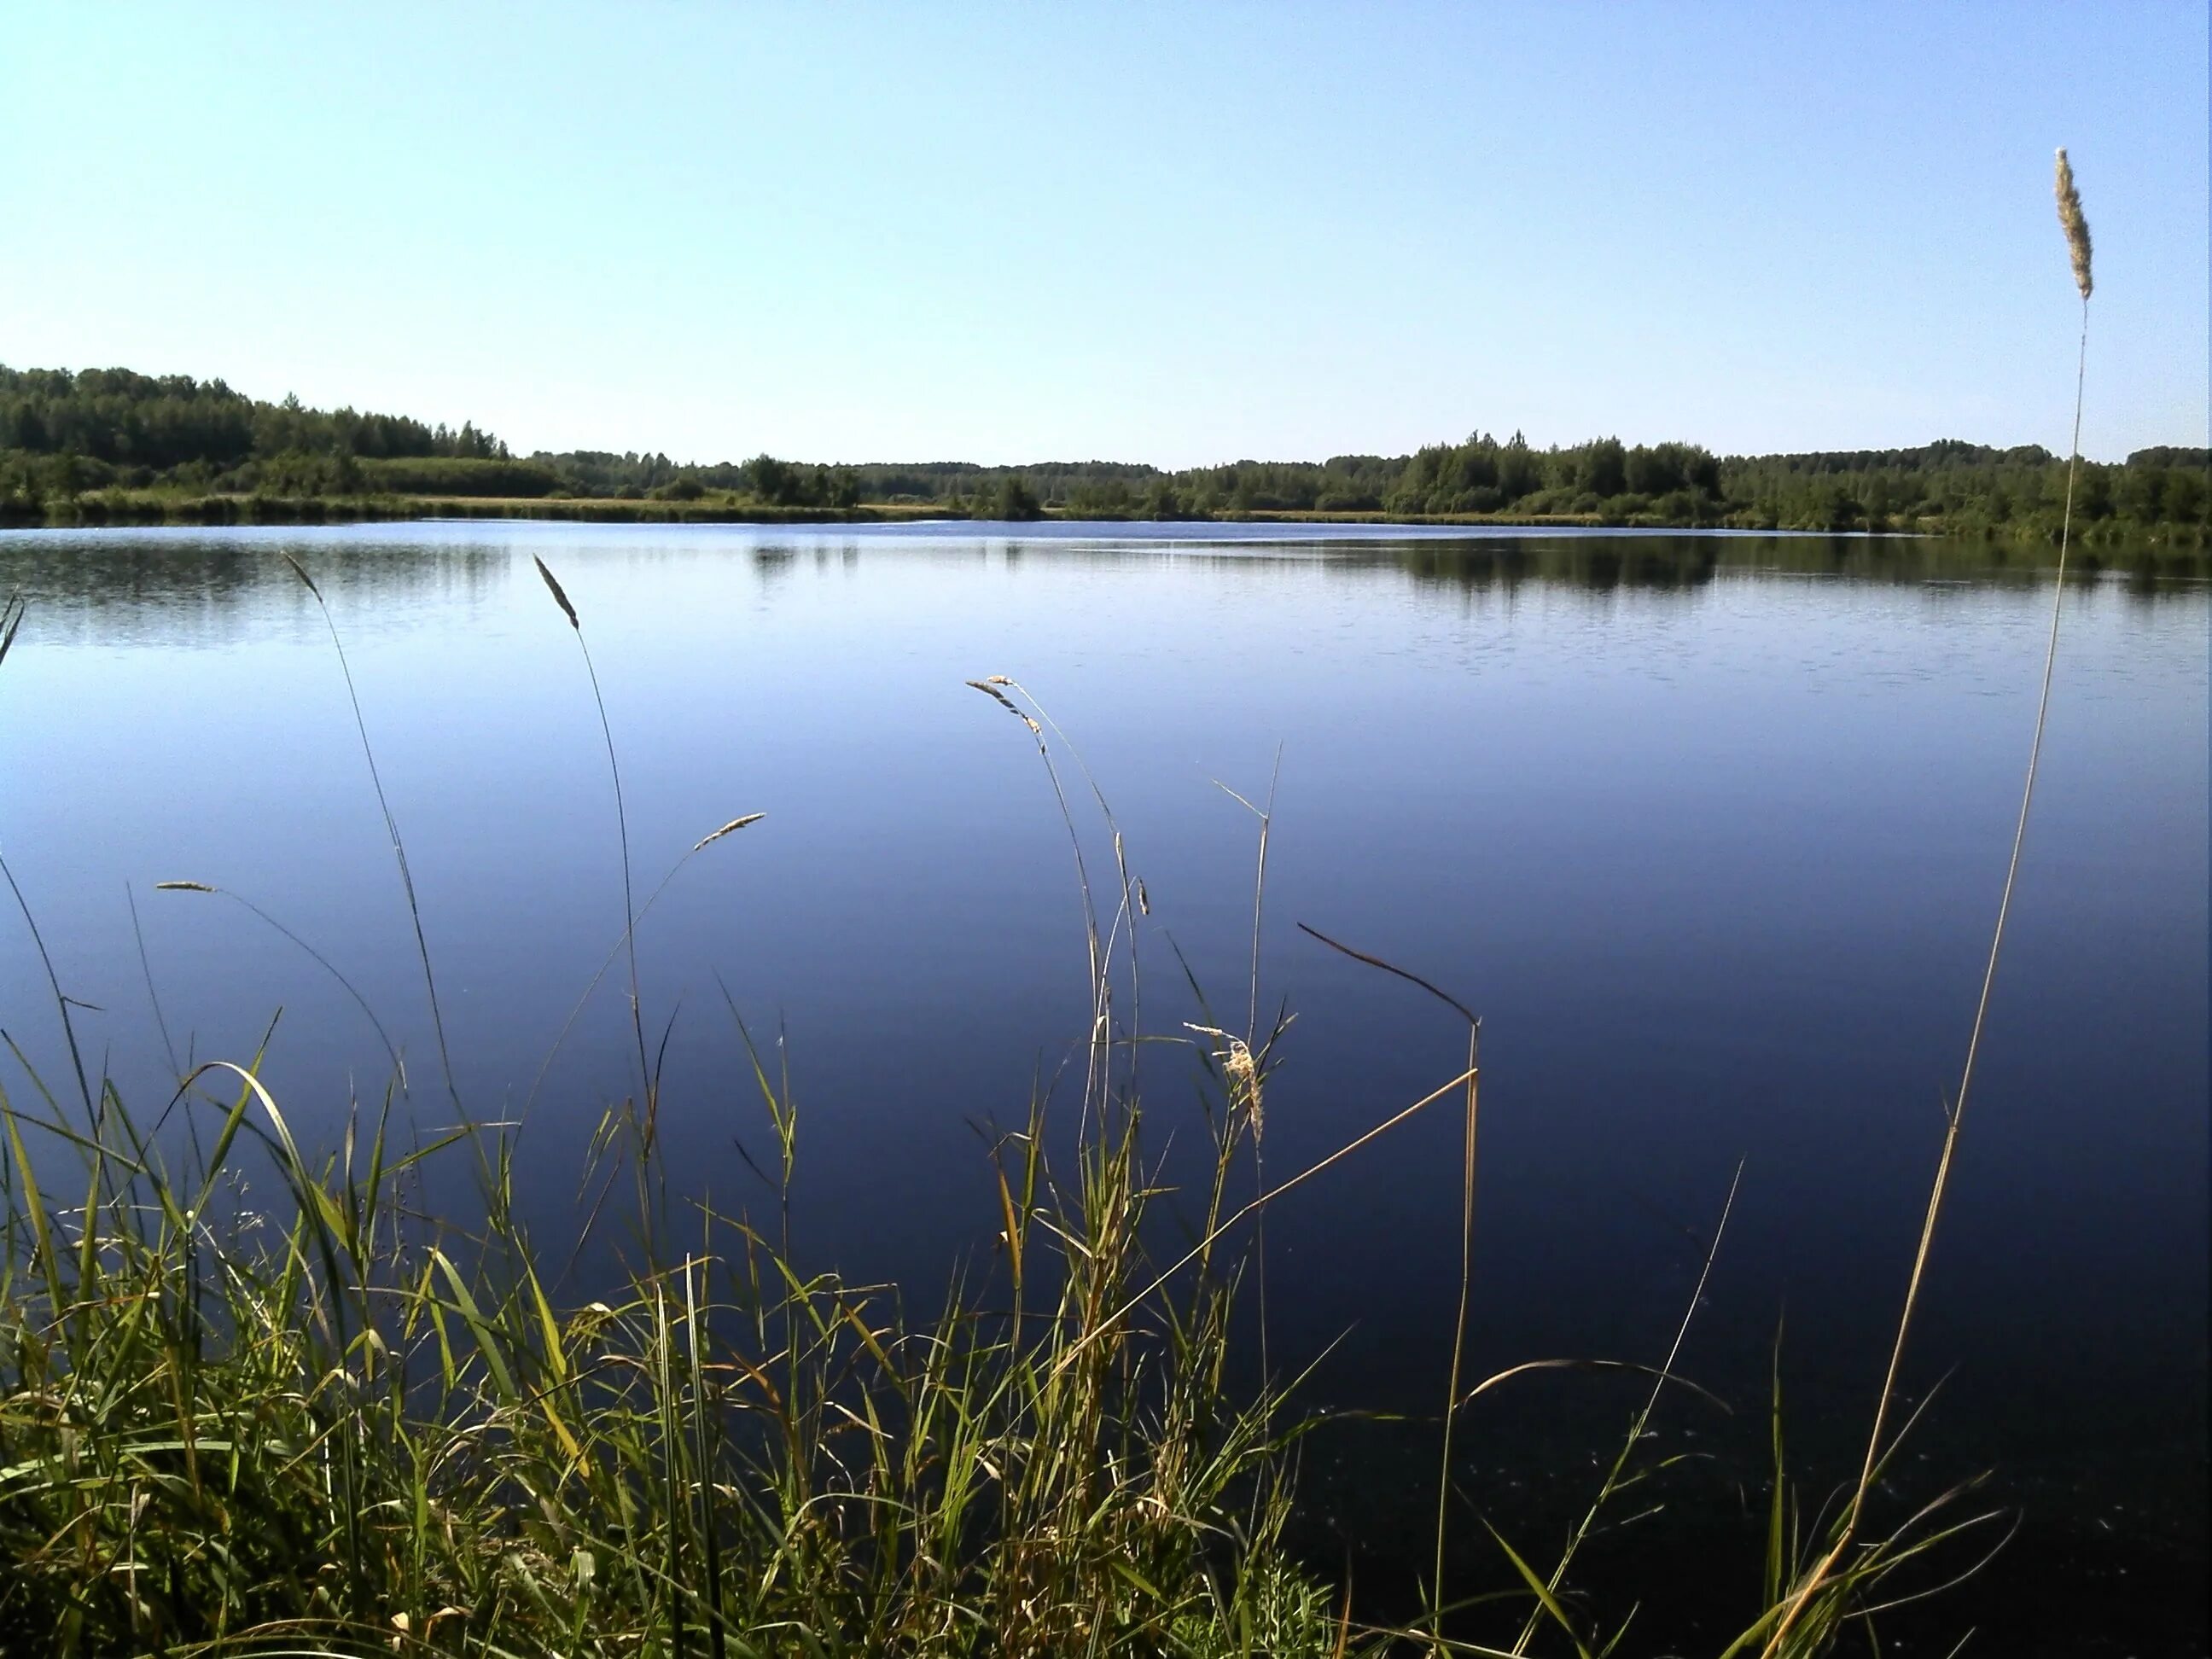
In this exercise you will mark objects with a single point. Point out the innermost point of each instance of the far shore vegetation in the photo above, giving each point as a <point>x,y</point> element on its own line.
<point>112,446</point>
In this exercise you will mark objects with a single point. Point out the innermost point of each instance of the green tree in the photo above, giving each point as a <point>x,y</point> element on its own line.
<point>1604,469</point>
<point>1013,500</point>
<point>772,480</point>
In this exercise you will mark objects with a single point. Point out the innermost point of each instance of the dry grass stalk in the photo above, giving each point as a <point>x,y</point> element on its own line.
<point>1830,1576</point>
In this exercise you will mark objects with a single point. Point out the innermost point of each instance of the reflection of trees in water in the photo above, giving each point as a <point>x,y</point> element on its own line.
<point>193,591</point>
<point>1658,562</point>
<point>208,589</point>
<point>1662,562</point>
<point>1599,565</point>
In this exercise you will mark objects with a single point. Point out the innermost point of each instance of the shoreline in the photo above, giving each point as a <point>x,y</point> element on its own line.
<point>141,509</point>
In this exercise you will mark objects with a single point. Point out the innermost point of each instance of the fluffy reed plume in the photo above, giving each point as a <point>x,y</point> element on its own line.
<point>2076,226</point>
<point>1244,1080</point>
<point>1241,1070</point>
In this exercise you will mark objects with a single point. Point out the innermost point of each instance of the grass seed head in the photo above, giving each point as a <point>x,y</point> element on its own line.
<point>2076,226</point>
<point>1243,1074</point>
<point>560,596</point>
<point>729,829</point>
<point>301,571</point>
<point>989,688</point>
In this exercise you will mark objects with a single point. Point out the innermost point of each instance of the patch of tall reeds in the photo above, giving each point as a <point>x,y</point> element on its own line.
<point>256,1400</point>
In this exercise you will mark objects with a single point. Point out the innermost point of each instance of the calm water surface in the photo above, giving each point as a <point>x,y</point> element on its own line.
<point>1710,833</point>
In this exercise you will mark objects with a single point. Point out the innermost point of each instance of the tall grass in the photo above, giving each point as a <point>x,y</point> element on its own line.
<point>345,1427</point>
<point>254,1400</point>
<point>1828,1580</point>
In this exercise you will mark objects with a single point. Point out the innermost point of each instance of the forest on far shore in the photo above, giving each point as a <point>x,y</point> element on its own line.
<point>101,444</point>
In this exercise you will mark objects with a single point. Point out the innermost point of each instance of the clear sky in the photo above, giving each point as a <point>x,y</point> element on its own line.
<point>1181,234</point>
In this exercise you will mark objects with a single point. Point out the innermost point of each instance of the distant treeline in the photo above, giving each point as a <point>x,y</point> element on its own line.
<point>61,432</point>
<point>71,445</point>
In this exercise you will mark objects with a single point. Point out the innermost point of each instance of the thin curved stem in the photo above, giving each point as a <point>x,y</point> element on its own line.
<point>1452,1401</point>
<point>1875,1452</point>
<point>1996,936</point>
<point>391,828</point>
<point>629,905</point>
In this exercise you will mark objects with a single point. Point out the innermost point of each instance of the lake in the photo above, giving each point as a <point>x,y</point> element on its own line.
<point>1710,831</point>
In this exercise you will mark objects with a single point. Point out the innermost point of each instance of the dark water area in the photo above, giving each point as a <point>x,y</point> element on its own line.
<point>1709,830</point>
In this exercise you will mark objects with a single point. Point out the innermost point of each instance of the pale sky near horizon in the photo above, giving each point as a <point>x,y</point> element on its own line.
<point>1180,235</point>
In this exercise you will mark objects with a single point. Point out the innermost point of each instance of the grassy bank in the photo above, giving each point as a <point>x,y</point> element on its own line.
<point>339,1428</point>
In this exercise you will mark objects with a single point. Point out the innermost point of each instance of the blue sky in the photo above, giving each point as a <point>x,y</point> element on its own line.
<point>1181,234</point>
